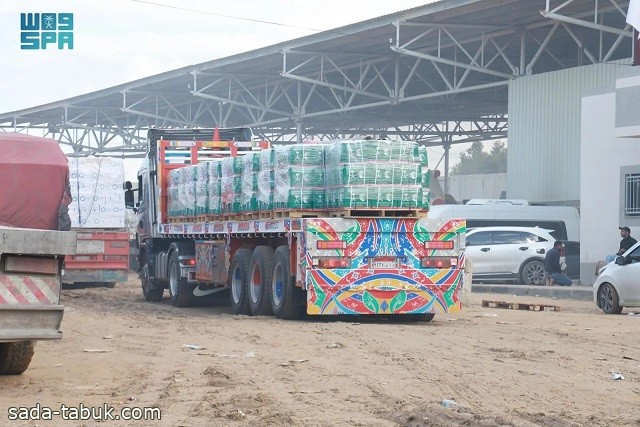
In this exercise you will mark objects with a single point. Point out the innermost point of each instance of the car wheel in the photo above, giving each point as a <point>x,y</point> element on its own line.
<point>608,299</point>
<point>532,272</point>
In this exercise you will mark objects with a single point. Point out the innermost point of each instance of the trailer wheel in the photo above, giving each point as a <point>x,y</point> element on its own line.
<point>150,289</point>
<point>15,357</point>
<point>240,281</point>
<point>422,317</point>
<point>287,300</point>
<point>260,280</point>
<point>179,289</point>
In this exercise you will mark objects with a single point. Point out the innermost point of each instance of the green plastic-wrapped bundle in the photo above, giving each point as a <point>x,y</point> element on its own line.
<point>190,178</point>
<point>372,174</point>
<point>202,188</point>
<point>305,155</point>
<point>231,184</point>
<point>265,180</point>
<point>173,201</point>
<point>249,182</point>
<point>182,192</point>
<point>425,201</point>
<point>367,151</point>
<point>374,197</point>
<point>398,173</point>
<point>299,177</point>
<point>305,176</point>
<point>214,173</point>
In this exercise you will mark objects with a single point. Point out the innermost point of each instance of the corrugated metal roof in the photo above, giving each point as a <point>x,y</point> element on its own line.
<point>351,46</point>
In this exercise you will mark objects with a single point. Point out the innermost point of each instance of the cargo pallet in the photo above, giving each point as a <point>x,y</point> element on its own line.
<point>520,306</point>
<point>245,216</point>
<point>303,213</point>
<point>384,213</point>
<point>296,213</point>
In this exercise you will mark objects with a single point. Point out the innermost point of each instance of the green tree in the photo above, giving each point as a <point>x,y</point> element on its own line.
<point>476,161</point>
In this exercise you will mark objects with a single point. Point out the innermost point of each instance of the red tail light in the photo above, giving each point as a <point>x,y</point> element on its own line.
<point>191,261</point>
<point>438,262</point>
<point>334,262</point>
<point>439,244</point>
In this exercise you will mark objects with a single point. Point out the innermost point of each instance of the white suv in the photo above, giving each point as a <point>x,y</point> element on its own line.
<point>509,253</point>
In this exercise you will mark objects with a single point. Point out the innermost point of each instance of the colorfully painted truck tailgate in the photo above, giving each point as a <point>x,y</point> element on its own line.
<point>383,265</point>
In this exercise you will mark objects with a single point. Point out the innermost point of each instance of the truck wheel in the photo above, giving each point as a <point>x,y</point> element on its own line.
<point>240,281</point>
<point>422,317</point>
<point>15,357</point>
<point>150,289</point>
<point>260,280</point>
<point>179,289</point>
<point>287,300</point>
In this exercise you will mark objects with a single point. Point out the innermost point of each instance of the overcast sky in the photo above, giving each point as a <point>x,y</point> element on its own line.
<point>118,41</point>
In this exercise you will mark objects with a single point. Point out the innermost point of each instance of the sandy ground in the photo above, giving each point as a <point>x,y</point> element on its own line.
<point>502,367</point>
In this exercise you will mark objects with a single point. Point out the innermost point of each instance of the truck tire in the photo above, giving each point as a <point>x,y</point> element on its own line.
<point>240,281</point>
<point>150,289</point>
<point>422,317</point>
<point>287,300</point>
<point>180,290</point>
<point>260,281</point>
<point>15,357</point>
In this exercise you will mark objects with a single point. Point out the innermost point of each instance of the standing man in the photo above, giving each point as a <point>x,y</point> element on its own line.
<point>552,266</point>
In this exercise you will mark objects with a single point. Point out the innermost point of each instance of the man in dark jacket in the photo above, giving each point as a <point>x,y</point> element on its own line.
<point>552,266</point>
<point>627,241</point>
<point>625,244</point>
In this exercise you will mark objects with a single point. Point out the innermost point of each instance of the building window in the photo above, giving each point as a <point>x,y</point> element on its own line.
<point>632,194</point>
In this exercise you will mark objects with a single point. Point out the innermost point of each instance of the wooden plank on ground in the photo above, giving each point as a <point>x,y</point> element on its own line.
<point>520,306</point>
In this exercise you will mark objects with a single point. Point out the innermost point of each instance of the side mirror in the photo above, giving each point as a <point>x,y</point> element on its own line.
<point>127,185</point>
<point>128,199</point>
<point>620,260</point>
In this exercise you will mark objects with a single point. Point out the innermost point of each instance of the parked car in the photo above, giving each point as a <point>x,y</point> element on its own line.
<point>572,259</point>
<point>618,284</point>
<point>515,254</point>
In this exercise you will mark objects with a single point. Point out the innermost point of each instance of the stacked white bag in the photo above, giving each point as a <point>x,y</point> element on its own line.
<point>96,192</point>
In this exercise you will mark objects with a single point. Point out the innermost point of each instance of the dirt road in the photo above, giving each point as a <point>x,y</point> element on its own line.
<point>503,367</point>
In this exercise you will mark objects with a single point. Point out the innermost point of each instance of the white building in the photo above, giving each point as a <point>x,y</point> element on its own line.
<point>610,165</point>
